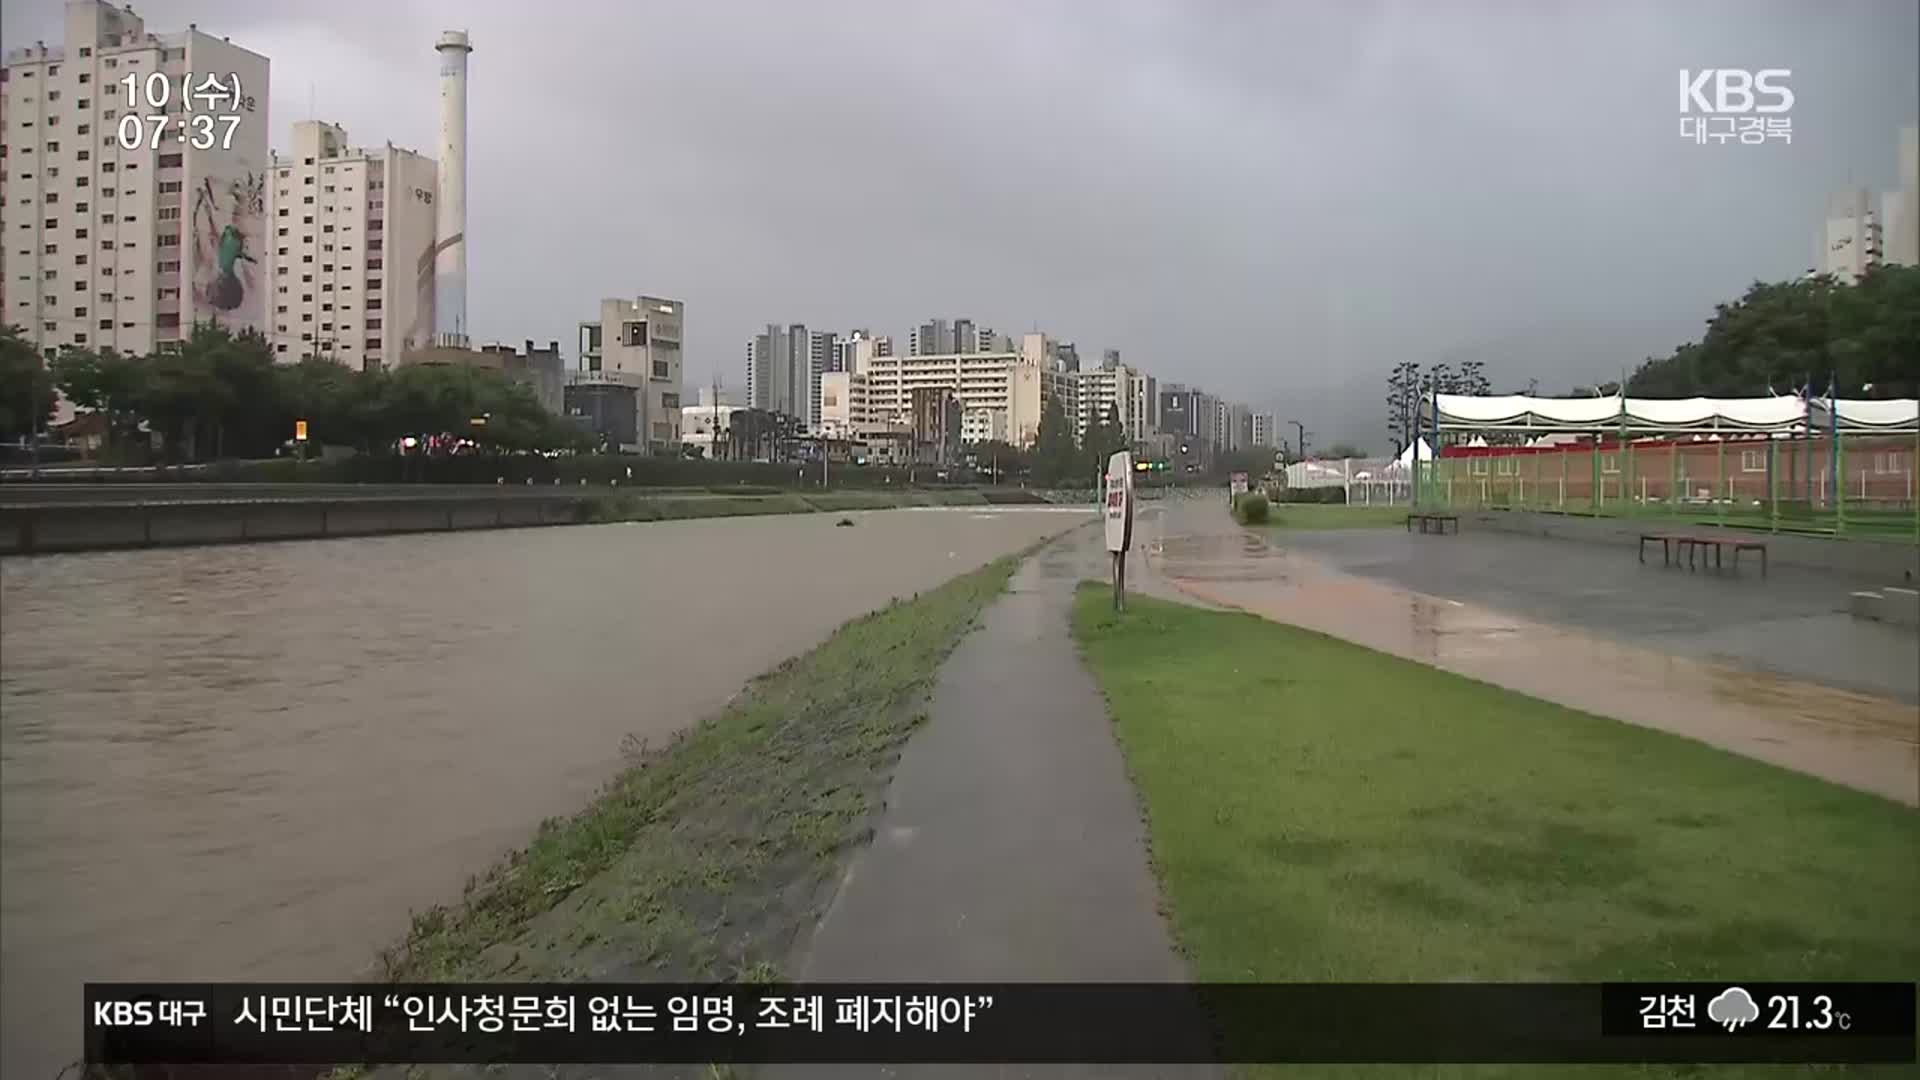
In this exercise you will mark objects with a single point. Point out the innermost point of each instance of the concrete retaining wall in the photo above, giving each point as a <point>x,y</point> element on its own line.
<point>69,527</point>
<point>1889,561</point>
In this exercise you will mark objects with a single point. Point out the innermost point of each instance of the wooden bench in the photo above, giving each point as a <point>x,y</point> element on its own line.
<point>1433,522</point>
<point>1672,545</point>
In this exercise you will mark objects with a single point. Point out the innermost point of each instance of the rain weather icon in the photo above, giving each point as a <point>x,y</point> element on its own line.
<point>1733,1007</point>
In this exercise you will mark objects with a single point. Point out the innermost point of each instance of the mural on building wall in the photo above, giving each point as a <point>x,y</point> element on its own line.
<point>227,224</point>
<point>420,331</point>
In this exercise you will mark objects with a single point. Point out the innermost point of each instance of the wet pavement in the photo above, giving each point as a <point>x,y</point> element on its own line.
<point>1762,667</point>
<point>1011,848</point>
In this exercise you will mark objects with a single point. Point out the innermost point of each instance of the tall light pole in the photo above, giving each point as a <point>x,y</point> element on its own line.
<point>1301,438</point>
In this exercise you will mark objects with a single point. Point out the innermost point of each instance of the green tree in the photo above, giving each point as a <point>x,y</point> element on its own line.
<point>106,382</point>
<point>26,387</point>
<point>1783,336</point>
<point>1056,459</point>
<point>1344,450</point>
<point>1104,438</point>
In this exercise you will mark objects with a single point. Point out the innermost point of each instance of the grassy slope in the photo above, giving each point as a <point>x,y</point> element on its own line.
<point>1319,811</point>
<point>705,859</point>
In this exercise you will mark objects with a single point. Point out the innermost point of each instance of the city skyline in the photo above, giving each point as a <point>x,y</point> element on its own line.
<point>1253,276</point>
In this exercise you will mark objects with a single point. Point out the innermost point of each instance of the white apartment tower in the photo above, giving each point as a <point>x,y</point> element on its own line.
<point>1900,209</point>
<point>1106,390</point>
<point>353,259</point>
<point>1849,241</point>
<point>120,231</point>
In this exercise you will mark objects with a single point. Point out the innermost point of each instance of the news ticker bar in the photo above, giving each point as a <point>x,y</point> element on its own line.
<point>980,1023</point>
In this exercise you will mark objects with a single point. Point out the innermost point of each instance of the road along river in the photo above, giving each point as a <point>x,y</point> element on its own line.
<point>251,762</point>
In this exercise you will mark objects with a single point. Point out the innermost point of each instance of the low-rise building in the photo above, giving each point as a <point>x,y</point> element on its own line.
<point>635,345</point>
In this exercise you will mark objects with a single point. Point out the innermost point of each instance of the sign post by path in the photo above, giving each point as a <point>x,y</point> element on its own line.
<point>1119,521</point>
<point>1236,487</point>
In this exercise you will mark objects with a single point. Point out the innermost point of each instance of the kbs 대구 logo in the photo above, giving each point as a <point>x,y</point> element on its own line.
<point>1724,104</point>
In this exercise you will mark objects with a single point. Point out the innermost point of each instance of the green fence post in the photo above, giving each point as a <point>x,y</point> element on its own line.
<point>1720,480</point>
<point>1673,478</point>
<point>1773,486</point>
<point>1593,496</point>
<point>1840,485</point>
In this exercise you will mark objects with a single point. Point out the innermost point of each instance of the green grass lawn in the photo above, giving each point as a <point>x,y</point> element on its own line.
<point>1319,811</point>
<point>1332,516</point>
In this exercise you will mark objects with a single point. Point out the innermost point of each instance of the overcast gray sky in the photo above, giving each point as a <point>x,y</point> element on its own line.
<point>1275,201</point>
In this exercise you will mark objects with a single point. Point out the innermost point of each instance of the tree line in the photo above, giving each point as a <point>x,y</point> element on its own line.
<point>221,395</point>
<point>1861,339</point>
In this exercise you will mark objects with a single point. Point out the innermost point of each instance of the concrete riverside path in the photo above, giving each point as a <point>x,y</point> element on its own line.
<point>1011,848</point>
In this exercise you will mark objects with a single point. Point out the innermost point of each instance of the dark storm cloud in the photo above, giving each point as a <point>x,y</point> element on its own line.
<point>1277,201</point>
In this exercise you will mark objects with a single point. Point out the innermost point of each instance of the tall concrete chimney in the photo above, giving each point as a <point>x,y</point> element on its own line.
<point>450,219</point>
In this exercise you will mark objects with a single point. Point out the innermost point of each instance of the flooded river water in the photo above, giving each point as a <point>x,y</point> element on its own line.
<point>252,762</point>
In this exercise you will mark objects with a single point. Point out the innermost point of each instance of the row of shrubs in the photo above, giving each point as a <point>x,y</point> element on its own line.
<point>1250,508</point>
<point>1337,495</point>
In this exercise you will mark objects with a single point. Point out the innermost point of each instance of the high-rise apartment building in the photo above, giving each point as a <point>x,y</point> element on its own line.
<point>937,337</point>
<point>121,230</point>
<point>1003,382</point>
<point>1067,356</point>
<point>1263,435</point>
<point>352,261</point>
<point>780,370</point>
<point>1900,209</point>
<point>1110,359</point>
<point>1107,391</point>
<point>1850,239</point>
<point>630,366</point>
<point>1144,419</point>
<point>1239,431</point>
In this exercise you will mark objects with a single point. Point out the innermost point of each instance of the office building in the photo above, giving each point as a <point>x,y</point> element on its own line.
<point>1850,239</point>
<point>632,351</point>
<point>352,262</point>
<point>1110,359</point>
<point>1067,356</point>
<point>117,233</point>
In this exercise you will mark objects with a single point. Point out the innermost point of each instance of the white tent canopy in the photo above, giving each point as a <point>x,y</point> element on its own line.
<point>1783,413</point>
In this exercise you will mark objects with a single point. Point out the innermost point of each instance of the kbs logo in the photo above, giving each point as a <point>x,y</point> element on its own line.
<point>1719,103</point>
<point>1732,90</point>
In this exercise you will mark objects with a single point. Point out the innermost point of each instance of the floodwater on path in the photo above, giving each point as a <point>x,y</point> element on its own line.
<point>251,762</point>
<point>1857,739</point>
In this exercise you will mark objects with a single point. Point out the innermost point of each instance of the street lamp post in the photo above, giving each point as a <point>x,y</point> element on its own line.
<point>1301,438</point>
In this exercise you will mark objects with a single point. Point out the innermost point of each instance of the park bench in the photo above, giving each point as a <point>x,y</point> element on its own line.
<point>1433,522</point>
<point>1673,545</point>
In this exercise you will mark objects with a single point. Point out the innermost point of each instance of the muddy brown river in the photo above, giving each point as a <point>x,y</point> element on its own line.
<point>253,762</point>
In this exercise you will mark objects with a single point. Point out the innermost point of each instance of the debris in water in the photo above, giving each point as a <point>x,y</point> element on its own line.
<point>843,523</point>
